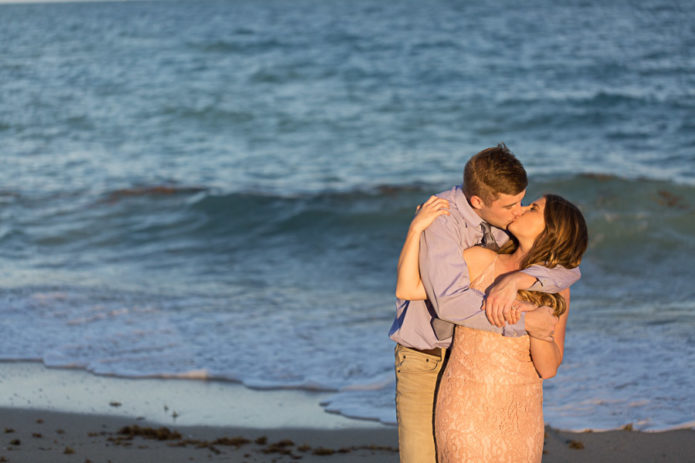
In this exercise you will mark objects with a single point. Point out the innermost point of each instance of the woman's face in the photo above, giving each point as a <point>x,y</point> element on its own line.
<point>531,222</point>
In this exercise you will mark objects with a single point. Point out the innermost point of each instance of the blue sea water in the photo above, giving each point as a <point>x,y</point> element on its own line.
<point>220,189</point>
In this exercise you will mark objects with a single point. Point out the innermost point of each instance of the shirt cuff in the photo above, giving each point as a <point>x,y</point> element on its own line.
<point>538,284</point>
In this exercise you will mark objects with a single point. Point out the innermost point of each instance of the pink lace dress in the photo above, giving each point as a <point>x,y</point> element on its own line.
<point>490,400</point>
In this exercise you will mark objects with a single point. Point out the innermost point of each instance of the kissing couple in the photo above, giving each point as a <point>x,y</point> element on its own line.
<point>482,305</point>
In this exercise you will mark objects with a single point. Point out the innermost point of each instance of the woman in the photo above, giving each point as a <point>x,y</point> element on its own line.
<point>490,399</point>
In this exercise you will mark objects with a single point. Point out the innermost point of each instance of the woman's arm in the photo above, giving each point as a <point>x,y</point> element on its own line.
<point>409,285</point>
<point>547,354</point>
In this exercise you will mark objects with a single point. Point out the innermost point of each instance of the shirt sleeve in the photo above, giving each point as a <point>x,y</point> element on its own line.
<point>552,280</point>
<point>445,276</point>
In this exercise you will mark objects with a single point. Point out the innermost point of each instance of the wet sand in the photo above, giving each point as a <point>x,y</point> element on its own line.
<point>53,415</point>
<point>35,436</point>
<point>43,436</point>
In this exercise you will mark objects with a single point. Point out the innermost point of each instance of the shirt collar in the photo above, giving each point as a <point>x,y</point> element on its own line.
<point>472,217</point>
<point>465,208</point>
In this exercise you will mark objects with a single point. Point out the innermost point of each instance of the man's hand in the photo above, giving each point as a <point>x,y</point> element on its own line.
<point>517,308</point>
<point>502,295</point>
<point>498,304</point>
<point>540,323</point>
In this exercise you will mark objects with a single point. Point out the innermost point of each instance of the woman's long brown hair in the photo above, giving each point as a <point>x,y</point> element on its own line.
<point>563,242</point>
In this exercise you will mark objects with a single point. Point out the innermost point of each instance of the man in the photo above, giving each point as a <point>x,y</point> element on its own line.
<point>494,184</point>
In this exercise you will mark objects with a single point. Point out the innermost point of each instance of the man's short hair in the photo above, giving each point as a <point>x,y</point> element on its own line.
<point>493,171</point>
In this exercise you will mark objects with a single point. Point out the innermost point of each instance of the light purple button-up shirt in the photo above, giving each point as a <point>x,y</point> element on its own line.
<point>446,280</point>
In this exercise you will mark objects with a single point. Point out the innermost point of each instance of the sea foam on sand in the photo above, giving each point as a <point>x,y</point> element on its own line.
<point>185,402</point>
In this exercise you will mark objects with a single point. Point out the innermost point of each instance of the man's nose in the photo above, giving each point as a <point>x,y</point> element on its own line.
<point>520,210</point>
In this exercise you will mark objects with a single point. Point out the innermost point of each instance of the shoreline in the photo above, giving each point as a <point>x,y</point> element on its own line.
<point>56,415</point>
<point>168,402</point>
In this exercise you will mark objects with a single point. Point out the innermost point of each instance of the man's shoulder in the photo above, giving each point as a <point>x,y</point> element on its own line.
<point>459,213</point>
<point>456,225</point>
<point>454,220</point>
<point>454,194</point>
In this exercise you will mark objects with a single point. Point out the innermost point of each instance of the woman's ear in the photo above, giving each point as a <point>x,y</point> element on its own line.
<point>477,202</point>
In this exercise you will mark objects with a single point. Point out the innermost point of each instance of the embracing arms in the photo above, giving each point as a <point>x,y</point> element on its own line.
<point>537,278</point>
<point>431,266</point>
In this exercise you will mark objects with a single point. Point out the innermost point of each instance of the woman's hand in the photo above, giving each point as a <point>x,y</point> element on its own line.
<point>427,212</point>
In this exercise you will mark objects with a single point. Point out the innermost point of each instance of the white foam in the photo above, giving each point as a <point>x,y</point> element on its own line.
<point>617,370</point>
<point>183,402</point>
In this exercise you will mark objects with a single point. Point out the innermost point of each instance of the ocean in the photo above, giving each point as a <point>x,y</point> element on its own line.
<point>220,189</point>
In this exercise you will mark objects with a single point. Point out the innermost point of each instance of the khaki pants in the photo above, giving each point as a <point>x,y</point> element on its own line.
<point>417,376</point>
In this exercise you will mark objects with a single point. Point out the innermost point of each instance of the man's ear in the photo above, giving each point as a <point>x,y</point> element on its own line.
<point>477,202</point>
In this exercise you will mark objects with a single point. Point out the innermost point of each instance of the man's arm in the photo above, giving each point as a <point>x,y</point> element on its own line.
<point>445,276</point>
<point>552,280</point>
<point>536,278</point>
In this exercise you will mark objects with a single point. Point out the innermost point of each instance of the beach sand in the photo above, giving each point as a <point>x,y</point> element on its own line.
<point>97,423</point>
<point>41,436</point>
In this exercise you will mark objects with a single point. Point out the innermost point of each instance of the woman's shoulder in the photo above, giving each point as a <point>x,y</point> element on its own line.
<point>479,254</point>
<point>478,259</point>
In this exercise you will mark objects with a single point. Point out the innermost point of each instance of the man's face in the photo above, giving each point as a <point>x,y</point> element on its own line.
<point>502,210</point>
